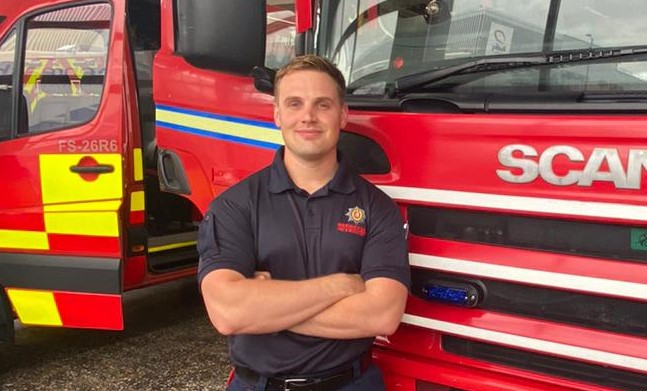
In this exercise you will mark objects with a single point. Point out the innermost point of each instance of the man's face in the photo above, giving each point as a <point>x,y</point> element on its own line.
<point>310,114</point>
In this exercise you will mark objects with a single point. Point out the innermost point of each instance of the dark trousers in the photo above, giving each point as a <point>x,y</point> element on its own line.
<point>370,380</point>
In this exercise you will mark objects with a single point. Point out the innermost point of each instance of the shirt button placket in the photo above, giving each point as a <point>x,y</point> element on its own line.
<point>309,209</point>
<point>310,221</point>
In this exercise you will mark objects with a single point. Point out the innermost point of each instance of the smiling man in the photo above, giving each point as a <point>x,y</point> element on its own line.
<point>303,263</point>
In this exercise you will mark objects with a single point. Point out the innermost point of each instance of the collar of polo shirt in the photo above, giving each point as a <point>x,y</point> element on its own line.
<point>280,181</point>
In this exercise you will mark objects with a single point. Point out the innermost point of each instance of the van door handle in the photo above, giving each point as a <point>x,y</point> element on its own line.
<point>98,169</point>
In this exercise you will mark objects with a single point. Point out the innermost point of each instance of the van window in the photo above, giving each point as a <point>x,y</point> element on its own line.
<point>6,75</point>
<point>65,63</point>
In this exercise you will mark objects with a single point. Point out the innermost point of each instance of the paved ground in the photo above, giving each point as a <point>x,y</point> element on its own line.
<point>168,345</point>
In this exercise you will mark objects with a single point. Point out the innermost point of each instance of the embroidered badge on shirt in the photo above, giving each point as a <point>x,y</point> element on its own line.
<point>356,216</point>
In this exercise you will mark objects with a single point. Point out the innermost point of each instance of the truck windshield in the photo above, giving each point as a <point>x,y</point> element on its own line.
<point>378,42</point>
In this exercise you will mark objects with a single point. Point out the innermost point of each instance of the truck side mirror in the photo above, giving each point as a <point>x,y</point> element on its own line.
<point>223,35</point>
<point>264,79</point>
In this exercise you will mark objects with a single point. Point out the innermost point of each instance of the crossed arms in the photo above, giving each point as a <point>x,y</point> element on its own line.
<point>339,306</point>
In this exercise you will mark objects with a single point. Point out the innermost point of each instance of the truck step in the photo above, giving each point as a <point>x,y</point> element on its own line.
<point>172,252</point>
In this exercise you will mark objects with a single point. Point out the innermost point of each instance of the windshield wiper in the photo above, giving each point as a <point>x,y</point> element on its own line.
<point>410,82</point>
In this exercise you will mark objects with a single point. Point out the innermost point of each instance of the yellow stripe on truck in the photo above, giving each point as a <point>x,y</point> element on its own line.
<point>137,201</point>
<point>60,185</point>
<point>83,206</point>
<point>138,164</point>
<point>32,240</point>
<point>171,246</point>
<point>35,307</point>
<point>83,223</point>
<point>214,125</point>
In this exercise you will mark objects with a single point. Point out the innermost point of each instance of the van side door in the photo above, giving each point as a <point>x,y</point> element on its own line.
<point>62,164</point>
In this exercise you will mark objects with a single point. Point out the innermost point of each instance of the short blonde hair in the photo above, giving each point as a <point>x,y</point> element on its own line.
<point>310,62</point>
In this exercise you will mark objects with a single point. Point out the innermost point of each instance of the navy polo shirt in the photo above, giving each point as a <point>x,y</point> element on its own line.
<point>266,223</point>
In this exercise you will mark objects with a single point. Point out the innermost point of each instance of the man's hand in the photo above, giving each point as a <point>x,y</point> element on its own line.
<point>374,311</point>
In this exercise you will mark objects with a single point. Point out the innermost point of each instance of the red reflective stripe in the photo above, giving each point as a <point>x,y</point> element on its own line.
<point>89,310</point>
<point>137,217</point>
<point>86,245</point>
<point>24,221</point>
<point>134,271</point>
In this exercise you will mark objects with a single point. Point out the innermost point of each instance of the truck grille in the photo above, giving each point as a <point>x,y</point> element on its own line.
<point>602,313</point>
<point>553,366</point>
<point>618,242</point>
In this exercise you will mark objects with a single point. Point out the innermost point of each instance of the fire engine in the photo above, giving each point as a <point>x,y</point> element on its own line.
<point>511,134</point>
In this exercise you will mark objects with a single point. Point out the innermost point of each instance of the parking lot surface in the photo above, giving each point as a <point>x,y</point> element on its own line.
<point>168,344</point>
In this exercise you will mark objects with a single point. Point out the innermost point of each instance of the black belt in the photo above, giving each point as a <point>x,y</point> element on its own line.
<point>330,381</point>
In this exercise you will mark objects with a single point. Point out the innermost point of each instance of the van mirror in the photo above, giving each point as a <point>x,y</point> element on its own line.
<point>223,35</point>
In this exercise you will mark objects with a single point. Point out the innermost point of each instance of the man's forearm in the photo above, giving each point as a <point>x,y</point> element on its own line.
<point>376,311</point>
<point>258,306</point>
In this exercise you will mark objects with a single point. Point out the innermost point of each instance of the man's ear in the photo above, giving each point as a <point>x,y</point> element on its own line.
<point>344,115</point>
<point>277,115</point>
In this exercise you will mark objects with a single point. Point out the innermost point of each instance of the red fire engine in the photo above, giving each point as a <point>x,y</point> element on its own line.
<point>511,134</point>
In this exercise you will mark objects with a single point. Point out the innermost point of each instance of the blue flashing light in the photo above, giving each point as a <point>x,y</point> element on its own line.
<point>463,295</point>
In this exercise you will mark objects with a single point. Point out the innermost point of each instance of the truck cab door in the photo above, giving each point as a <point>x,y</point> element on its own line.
<point>62,148</point>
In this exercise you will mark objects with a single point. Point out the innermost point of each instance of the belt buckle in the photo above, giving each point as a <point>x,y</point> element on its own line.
<point>295,380</point>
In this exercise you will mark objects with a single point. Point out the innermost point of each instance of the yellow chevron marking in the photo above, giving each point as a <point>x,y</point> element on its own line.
<point>138,162</point>
<point>99,206</point>
<point>251,132</point>
<point>35,307</point>
<point>137,201</point>
<point>83,223</point>
<point>60,185</point>
<point>32,240</point>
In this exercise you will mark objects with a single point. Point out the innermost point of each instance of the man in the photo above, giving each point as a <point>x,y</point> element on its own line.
<point>303,263</point>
